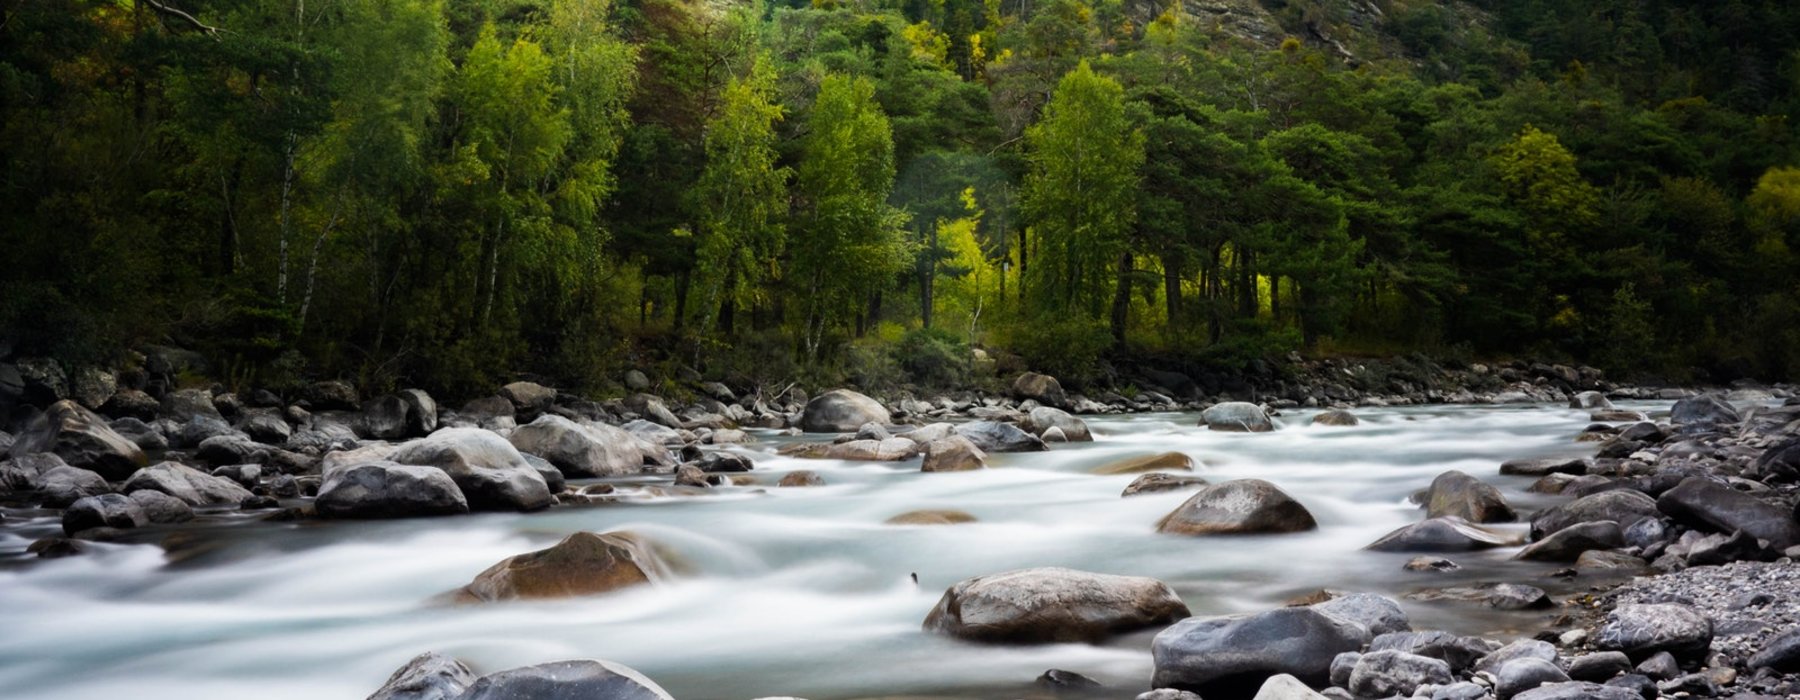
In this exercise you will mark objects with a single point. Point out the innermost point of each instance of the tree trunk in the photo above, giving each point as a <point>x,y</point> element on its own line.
<point>1275,300</point>
<point>1121,306</point>
<point>1172,288</point>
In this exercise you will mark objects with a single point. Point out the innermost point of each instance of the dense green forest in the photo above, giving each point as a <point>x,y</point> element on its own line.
<point>446,193</point>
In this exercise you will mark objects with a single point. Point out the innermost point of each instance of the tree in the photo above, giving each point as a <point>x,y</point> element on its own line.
<point>742,197</point>
<point>1080,196</point>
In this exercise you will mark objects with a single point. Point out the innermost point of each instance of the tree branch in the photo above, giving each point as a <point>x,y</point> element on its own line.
<point>181,15</point>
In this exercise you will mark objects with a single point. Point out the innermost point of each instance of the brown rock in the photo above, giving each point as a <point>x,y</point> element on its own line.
<point>584,563</point>
<point>1167,461</point>
<point>931,517</point>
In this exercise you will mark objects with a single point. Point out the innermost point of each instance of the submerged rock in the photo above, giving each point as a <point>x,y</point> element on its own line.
<point>931,517</point>
<point>1154,483</point>
<point>1242,506</point>
<point>1338,418</point>
<point>1165,461</point>
<point>567,680</point>
<point>1046,605</point>
<point>1237,417</point>
<point>584,563</point>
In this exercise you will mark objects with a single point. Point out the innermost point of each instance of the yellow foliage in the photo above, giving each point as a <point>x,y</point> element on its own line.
<point>928,44</point>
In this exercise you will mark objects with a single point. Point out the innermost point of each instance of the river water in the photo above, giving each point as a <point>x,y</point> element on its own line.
<point>782,591</point>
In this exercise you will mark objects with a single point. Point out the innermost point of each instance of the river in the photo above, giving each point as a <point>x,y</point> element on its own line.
<point>781,591</point>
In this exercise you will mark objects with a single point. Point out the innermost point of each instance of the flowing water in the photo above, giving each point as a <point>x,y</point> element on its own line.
<point>782,591</point>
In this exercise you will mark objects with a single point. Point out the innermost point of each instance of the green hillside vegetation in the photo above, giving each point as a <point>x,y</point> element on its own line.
<point>450,193</point>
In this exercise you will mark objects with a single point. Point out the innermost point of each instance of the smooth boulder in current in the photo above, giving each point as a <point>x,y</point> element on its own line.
<point>1241,506</point>
<point>1052,604</point>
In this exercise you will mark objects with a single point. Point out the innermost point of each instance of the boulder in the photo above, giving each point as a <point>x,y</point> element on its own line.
<point>580,449</point>
<point>1590,401</point>
<point>1704,504</point>
<point>653,409</point>
<point>1620,506</point>
<point>841,411</point>
<point>1158,482</point>
<point>1578,690</point>
<point>953,454</point>
<point>488,411</point>
<point>131,403</point>
<point>1281,687</point>
<point>1048,605</point>
<point>931,517</point>
<point>384,418</point>
<point>636,380</point>
<point>801,477</point>
<point>82,439</point>
<point>1336,418</point>
<point>528,399</point>
<point>1446,534</point>
<point>1233,656</point>
<point>187,404</point>
<point>1236,417</point>
<point>1242,506</point>
<point>1380,674</point>
<point>1643,630</point>
<point>421,412</point>
<point>1041,388</point>
<point>267,428</point>
<point>93,387</point>
<point>993,436</point>
<point>1044,419</point>
<point>199,429</point>
<point>234,448</point>
<point>383,489</point>
<point>567,680</point>
<point>584,563</point>
<point>187,484</point>
<point>161,508</point>
<point>26,472</point>
<point>1568,544</point>
<point>331,395</point>
<point>489,470</point>
<point>1543,467</point>
<point>1454,493</point>
<point>1702,412</point>
<point>1166,461</point>
<point>105,510</point>
<point>64,485</point>
<point>1599,666</point>
<point>1781,653</point>
<point>1499,596</point>
<point>1518,649</point>
<point>1520,675</point>
<point>428,676</point>
<point>1460,653</point>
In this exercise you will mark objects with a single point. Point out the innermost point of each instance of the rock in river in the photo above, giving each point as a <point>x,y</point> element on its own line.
<point>190,485</point>
<point>1166,461</point>
<point>384,489</point>
<point>584,563</point>
<point>1232,656</point>
<point>567,680</point>
<point>993,436</point>
<point>1044,605</point>
<point>580,449</point>
<point>841,411</point>
<point>1447,534</point>
<point>1242,506</point>
<point>428,676</point>
<point>82,439</point>
<point>1458,494</point>
<point>1620,506</point>
<point>1702,503</point>
<point>489,470</point>
<point>1043,418</point>
<point>1237,417</point>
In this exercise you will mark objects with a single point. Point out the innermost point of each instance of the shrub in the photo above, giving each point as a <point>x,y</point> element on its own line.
<point>933,357</point>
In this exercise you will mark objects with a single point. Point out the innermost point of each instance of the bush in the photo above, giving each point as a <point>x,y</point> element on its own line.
<point>933,357</point>
<point>1066,348</point>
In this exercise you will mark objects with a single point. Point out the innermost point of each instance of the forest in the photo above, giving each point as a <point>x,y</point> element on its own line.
<point>453,193</point>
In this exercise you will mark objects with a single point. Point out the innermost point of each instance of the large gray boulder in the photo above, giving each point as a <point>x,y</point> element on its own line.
<point>105,510</point>
<point>384,417</point>
<point>584,563</point>
<point>1705,504</point>
<point>1233,656</point>
<point>187,484</point>
<point>1041,419</point>
<point>1445,534</point>
<point>841,411</point>
<point>161,508</point>
<point>1641,631</point>
<point>567,680</point>
<point>1568,544</point>
<point>489,470</point>
<point>82,439</point>
<point>1520,675</point>
<point>952,454</point>
<point>1046,605</point>
<point>1041,388</point>
<point>428,676</point>
<point>1621,506</point>
<point>1237,417</point>
<point>1579,690</point>
<point>1454,493</point>
<point>421,412</point>
<point>1703,411</point>
<point>383,489</point>
<point>992,436</point>
<point>1241,506</point>
<point>64,485</point>
<point>187,404</point>
<point>581,449</point>
<point>26,472</point>
<point>528,398</point>
<point>1386,673</point>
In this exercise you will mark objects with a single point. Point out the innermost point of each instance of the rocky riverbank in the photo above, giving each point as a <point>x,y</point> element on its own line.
<point>1704,497</point>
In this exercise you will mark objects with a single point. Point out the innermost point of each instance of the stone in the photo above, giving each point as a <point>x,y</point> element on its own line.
<point>1602,560</point>
<point>728,462</point>
<point>1520,675</point>
<point>63,485</point>
<point>1461,690</point>
<point>1043,419</point>
<point>1704,504</point>
<point>528,399</point>
<point>690,475</point>
<point>199,429</point>
<point>421,412</point>
<point>1518,649</point>
<point>567,680</point>
<point>1446,534</point>
<point>1059,681</point>
<point>1041,388</point>
<point>841,411</point>
<point>1232,656</point>
<point>488,410</point>
<point>1052,605</point>
<point>1430,564</point>
<point>266,428</point>
<point>1236,417</point>
<point>92,387</point>
<point>1660,666</point>
<point>1578,690</point>
<point>26,472</point>
<point>1599,666</point>
<point>187,404</point>
<point>82,439</point>
<point>1623,507</point>
<point>1454,493</point>
<point>801,477</point>
<point>653,409</point>
<point>1165,461</point>
<point>384,418</point>
<point>993,436</point>
<point>56,547</point>
<point>1158,482</point>
<point>332,395</point>
<point>636,380</point>
<point>580,449</point>
<point>1167,694</point>
<point>187,484</point>
<point>1285,687</point>
<point>491,473</point>
<point>952,454</point>
<point>1544,467</point>
<point>1242,506</point>
<point>131,403</point>
<point>1781,653</point>
<point>1336,418</point>
<point>384,489</point>
<point>1703,411</point>
<point>1374,613</point>
<point>105,510</point>
<point>1500,596</point>
<point>1643,630</point>
<point>1569,543</point>
<point>582,564</point>
<point>931,517</point>
<point>1380,674</point>
<point>428,676</point>
<point>161,508</point>
<point>1590,401</point>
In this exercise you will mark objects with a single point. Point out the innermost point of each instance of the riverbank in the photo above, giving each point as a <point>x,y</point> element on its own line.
<point>646,455</point>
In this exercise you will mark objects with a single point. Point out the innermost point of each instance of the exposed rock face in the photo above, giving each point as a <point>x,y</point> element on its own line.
<point>384,489</point>
<point>584,563</point>
<point>1044,418</point>
<point>1233,656</point>
<point>952,454</point>
<point>1446,534</point>
<point>82,439</point>
<point>1243,506</point>
<point>580,449</point>
<point>489,470</point>
<point>189,485</point>
<point>992,436</point>
<point>1041,388</point>
<point>1454,493</point>
<point>567,680</point>
<point>428,676</point>
<point>1237,417</point>
<point>1644,630</point>
<point>1166,461</point>
<point>1044,605</point>
<point>841,411</point>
